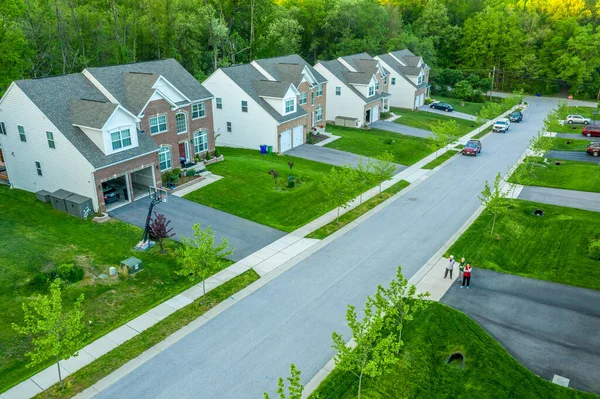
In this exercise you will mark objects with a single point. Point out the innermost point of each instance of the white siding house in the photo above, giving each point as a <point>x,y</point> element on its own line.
<point>408,80</point>
<point>341,100</point>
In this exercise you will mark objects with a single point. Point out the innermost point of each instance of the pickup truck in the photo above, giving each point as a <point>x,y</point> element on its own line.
<point>501,125</point>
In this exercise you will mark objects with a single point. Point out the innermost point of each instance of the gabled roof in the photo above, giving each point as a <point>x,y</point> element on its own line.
<point>56,96</point>
<point>91,113</point>
<point>407,66</point>
<point>289,69</point>
<point>269,88</point>
<point>137,90</point>
<point>360,78</point>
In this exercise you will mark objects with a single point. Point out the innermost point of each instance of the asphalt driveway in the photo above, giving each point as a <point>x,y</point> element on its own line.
<point>572,156</point>
<point>401,129</point>
<point>453,114</point>
<point>550,328</point>
<point>570,136</point>
<point>555,196</point>
<point>245,236</point>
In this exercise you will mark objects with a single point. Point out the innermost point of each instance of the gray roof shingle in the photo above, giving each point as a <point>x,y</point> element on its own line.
<point>349,78</point>
<point>268,88</point>
<point>289,69</point>
<point>91,113</point>
<point>410,69</point>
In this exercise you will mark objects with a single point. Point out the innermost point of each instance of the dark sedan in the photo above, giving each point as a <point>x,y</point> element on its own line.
<point>473,147</point>
<point>516,116</point>
<point>442,106</point>
<point>110,194</point>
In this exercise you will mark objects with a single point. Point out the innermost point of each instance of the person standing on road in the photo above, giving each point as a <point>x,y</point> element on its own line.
<point>467,275</point>
<point>461,268</point>
<point>449,267</point>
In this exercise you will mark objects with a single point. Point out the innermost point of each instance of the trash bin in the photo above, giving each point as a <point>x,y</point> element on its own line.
<point>125,194</point>
<point>270,149</point>
<point>263,149</point>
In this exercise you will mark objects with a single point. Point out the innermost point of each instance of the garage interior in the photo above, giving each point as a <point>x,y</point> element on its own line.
<point>140,181</point>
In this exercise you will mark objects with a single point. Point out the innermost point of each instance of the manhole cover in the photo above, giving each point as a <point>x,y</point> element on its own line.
<point>412,199</point>
<point>538,212</point>
<point>456,359</point>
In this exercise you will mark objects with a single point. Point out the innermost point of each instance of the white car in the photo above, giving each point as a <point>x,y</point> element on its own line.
<point>501,125</point>
<point>571,119</point>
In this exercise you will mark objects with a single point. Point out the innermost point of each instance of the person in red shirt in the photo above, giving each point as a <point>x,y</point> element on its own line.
<point>467,275</point>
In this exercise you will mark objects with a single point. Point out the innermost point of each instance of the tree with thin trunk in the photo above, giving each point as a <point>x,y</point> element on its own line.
<point>494,200</point>
<point>444,133</point>
<point>199,256</point>
<point>365,177</point>
<point>159,229</point>
<point>384,167</point>
<point>539,145</point>
<point>339,186</point>
<point>295,387</point>
<point>57,334</point>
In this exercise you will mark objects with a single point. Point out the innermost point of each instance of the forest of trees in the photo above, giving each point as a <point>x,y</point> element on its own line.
<point>537,45</point>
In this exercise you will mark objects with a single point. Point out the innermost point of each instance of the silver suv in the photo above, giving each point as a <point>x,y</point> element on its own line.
<point>571,119</point>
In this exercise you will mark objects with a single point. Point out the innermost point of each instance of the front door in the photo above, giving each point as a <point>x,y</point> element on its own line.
<point>368,116</point>
<point>182,158</point>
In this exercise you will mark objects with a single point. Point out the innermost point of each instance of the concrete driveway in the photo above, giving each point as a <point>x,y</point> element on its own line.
<point>245,236</point>
<point>330,156</point>
<point>556,196</point>
<point>550,328</point>
<point>573,156</point>
<point>453,114</point>
<point>401,129</point>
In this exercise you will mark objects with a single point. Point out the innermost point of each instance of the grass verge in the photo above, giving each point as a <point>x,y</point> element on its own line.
<point>110,362</point>
<point>560,144</point>
<point>363,208</point>
<point>424,120</point>
<point>570,175</point>
<point>552,248</point>
<point>483,132</point>
<point>441,159</point>
<point>421,373</point>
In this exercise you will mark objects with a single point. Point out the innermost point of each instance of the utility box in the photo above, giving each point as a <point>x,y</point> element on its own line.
<point>133,264</point>
<point>80,206</point>
<point>346,121</point>
<point>58,199</point>
<point>43,195</point>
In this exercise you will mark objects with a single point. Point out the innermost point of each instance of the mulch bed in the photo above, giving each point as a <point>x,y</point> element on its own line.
<point>318,138</point>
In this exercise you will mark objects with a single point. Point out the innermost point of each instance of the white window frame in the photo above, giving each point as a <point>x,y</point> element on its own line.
<point>377,84</point>
<point>319,90</point>
<point>393,81</point>
<point>371,91</point>
<point>157,124</point>
<point>229,128</point>
<point>385,80</point>
<point>2,128</point>
<point>22,135</point>
<point>51,142</point>
<point>303,99</point>
<point>38,168</point>
<point>219,102</point>
<point>319,113</point>
<point>420,79</point>
<point>286,103</point>
<point>165,149</point>
<point>244,106</point>
<point>184,121</point>
<point>199,110</point>
<point>121,139</point>
<point>200,139</point>
<point>338,91</point>
<point>312,98</point>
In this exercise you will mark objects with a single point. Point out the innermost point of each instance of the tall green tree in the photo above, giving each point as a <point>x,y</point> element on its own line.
<point>494,199</point>
<point>383,167</point>
<point>339,186</point>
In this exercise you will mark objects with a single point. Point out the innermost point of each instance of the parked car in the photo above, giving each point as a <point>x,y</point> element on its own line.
<point>442,106</point>
<point>571,119</point>
<point>594,148</point>
<point>516,116</point>
<point>591,131</point>
<point>501,125</point>
<point>110,194</point>
<point>473,147</point>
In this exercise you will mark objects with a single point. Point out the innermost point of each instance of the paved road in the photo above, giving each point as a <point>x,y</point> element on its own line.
<point>555,196</point>
<point>330,156</point>
<point>401,129</point>
<point>453,114</point>
<point>571,136</point>
<point>572,156</point>
<point>241,352</point>
<point>244,235</point>
<point>550,328</point>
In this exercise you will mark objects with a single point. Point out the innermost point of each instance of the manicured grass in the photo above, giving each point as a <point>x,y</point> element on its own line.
<point>247,189</point>
<point>483,132</point>
<point>560,144</point>
<point>566,128</point>
<point>586,112</point>
<point>434,334</point>
<point>36,238</point>
<point>552,247</point>
<point>467,107</point>
<point>424,120</point>
<point>570,175</point>
<point>114,359</point>
<point>406,149</point>
<point>363,208</point>
<point>441,159</point>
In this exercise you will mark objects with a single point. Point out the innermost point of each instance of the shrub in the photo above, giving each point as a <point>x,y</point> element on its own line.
<point>177,171</point>
<point>190,173</point>
<point>463,90</point>
<point>66,272</point>
<point>207,157</point>
<point>428,100</point>
<point>477,96</point>
<point>385,115</point>
<point>217,153</point>
<point>594,250</point>
<point>170,177</point>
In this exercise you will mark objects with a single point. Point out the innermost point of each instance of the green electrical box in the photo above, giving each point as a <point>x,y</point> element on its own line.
<point>133,264</point>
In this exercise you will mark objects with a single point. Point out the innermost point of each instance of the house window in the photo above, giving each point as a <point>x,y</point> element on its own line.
<point>385,80</point>
<point>50,137</point>
<point>244,106</point>
<point>38,168</point>
<point>2,128</point>
<point>198,111</point>
<point>158,124</point>
<point>181,122</point>
<point>371,90</point>
<point>393,81</point>
<point>164,158</point>
<point>377,85</point>
<point>302,99</point>
<point>289,106</point>
<point>319,90</point>
<point>338,91</point>
<point>228,127</point>
<point>219,103</point>
<point>200,142</point>
<point>319,113</point>
<point>120,139</point>
<point>420,79</point>
<point>22,133</point>
<point>312,98</point>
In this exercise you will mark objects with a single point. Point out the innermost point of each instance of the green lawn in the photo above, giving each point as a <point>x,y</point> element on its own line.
<point>570,175</point>
<point>36,238</point>
<point>560,144</point>
<point>363,208</point>
<point>483,132</point>
<point>434,334</point>
<point>467,107</point>
<point>552,247</point>
<point>247,190</point>
<point>441,159</point>
<point>586,112</point>
<point>114,359</point>
<point>424,120</point>
<point>406,149</point>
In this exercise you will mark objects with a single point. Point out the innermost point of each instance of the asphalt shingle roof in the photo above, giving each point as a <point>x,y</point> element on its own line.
<point>347,77</point>
<point>289,68</point>
<point>410,69</point>
<point>91,113</point>
<point>269,88</point>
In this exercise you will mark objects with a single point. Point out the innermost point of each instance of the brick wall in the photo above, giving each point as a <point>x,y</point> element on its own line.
<point>308,107</point>
<point>304,121</point>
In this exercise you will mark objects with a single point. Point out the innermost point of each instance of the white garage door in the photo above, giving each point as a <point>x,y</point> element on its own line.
<point>298,134</point>
<point>375,114</point>
<point>285,141</point>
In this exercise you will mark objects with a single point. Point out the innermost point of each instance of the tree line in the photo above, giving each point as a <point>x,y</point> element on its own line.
<point>536,45</point>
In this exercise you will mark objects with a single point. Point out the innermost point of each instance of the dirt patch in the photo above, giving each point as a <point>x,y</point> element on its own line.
<point>316,138</point>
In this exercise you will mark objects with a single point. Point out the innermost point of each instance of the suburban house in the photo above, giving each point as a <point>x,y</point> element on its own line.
<point>408,80</point>
<point>273,102</point>
<point>113,127</point>
<point>357,91</point>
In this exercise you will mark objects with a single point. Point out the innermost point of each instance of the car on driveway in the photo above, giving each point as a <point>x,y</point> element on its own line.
<point>110,194</point>
<point>591,131</point>
<point>577,119</point>
<point>473,147</point>
<point>442,106</point>
<point>594,148</point>
<point>516,116</point>
<point>501,125</point>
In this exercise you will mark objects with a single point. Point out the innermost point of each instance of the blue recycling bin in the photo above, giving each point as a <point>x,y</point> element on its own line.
<point>263,149</point>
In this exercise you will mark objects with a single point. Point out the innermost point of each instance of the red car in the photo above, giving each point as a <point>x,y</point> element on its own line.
<point>594,148</point>
<point>591,131</point>
<point>473,147</point>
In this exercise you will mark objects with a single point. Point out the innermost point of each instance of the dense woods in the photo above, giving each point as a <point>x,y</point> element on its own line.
<point>538,45</point>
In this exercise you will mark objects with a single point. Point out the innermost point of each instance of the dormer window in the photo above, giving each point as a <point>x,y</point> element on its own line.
<point>371,90</point>
<point>290,106</point>
<point>420,79</point>
<point>120,139</point>
<point>377,85</point>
